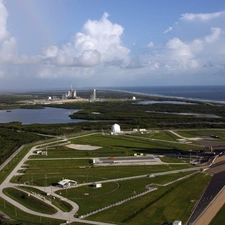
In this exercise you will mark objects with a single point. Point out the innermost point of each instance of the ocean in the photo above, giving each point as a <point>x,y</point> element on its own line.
<point>205,93</point>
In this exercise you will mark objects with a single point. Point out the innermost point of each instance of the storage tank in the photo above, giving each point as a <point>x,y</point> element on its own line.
<point>115,129</point>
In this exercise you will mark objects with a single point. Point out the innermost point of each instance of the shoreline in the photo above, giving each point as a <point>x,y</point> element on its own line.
<point>167,96</point>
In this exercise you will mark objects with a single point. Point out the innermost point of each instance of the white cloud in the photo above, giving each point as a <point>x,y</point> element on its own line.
<point>216,31</point>
<point>168,30</point>
<point>2,73</point>
<point>180,54</point>
<point>50,51</point>
<point>201,16</point>
<point>150,44</point>
<point>99,42</point>
<point>3,20</point>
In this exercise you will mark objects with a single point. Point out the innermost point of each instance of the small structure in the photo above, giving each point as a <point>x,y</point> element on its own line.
<point>67,183</point>
<point>177,222</point>
<point>96,160</point>
<point>115,129</point>
<point>133,98</point>
<point>97,185</point>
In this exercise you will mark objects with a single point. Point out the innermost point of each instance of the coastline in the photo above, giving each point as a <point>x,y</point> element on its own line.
<point>165,96</point>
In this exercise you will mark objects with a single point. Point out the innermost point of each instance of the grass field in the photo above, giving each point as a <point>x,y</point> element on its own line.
<point>29,201</point>
<point>47,172</point>
<point>169,203</point>
<point>219,218</point>
<point>64,206</point>
<point>112,145</point>
<point>203,133</point>
<point>65,163</point>
<point>90,199</point>
<point>28,219</point>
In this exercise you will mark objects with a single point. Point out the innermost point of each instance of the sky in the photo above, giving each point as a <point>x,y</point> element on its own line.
<point>48,44</point>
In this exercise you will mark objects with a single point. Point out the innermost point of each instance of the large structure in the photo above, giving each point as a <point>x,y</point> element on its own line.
<point>71,94</point>
<point>115,129</point>
<point>94,94</point>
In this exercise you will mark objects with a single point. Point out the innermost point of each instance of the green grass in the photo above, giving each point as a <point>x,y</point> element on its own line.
<point>112,192</point>
<point>46,172</point>
<point>29,201</point>
<point>12,164</point>
<point>64,206</point>
<point>166,204</point>
<point>19,215</point>
<point>203,133</point>
<point>117,146</point>
<point>219,218</point>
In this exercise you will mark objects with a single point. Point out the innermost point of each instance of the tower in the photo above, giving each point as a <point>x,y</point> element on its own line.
<point>94,94</point>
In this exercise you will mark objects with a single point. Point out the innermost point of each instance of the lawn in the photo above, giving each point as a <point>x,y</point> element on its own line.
<point>90,199</point>
<point>19,215</point>
<point>29,201</point>
<point>47,172</point>
<point>174,202</point>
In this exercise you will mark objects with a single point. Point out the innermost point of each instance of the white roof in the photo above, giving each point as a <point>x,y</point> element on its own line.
<point>65,181</point>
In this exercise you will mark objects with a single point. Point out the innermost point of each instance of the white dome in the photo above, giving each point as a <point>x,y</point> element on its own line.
<point>115,128</point>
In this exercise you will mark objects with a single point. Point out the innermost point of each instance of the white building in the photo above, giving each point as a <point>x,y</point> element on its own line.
<point>115,129</point>
<point>97,185</point>
<point>177,222</point>
<point>67,183</point>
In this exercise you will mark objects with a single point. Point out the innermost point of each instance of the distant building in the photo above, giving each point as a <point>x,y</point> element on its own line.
<point>115,129</point>
<point>134,98</point>
<point>71,94</point>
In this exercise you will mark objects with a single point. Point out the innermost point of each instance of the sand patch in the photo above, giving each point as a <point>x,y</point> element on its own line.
<point>83,147</point>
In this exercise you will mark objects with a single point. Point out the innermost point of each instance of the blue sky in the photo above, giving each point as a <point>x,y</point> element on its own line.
<point>93,43</point>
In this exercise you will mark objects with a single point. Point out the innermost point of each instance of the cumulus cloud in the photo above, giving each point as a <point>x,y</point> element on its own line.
<point>168,30</point>
<point>3,22</point>
<point>215,33</point>
<point>181,53</point>
<point>150,44</point>
<point>201,16</point>
<point>99,42</point>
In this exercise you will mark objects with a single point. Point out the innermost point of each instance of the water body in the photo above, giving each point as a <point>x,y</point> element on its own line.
<point>164,102</point>
<point>47,115</point>
<point>205,93</point>
<point>189,114</point>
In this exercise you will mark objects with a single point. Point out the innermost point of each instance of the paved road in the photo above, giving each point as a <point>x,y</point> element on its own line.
<point>67,216</point>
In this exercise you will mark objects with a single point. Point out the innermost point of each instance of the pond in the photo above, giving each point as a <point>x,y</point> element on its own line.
<point>47,115</point>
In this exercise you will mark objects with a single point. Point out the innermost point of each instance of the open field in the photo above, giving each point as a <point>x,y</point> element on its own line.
<point>90,199</point>
<point>29,201</point>
<point>47,172</point>
<point>122,145</point>
<point>166,204</point>
<point>71,158</point>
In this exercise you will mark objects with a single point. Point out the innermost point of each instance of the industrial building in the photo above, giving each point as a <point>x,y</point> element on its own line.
<point>70,94</point>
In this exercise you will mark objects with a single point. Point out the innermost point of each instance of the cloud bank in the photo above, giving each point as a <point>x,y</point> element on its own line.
<point>96,55</point>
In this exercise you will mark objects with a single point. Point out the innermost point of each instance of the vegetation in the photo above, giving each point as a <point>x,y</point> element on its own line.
<point>164,205</point>
<point>219,218</point>
<point>29,201</point>
<point>90,199</point>
<point>12,137</point>
<point>19,217</point>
